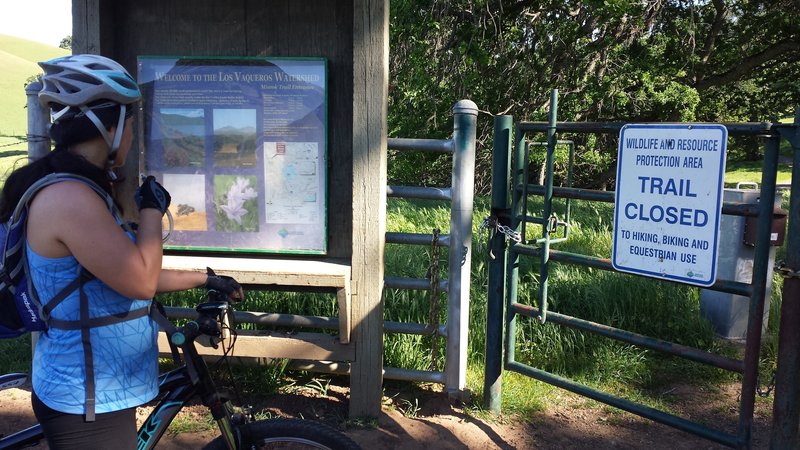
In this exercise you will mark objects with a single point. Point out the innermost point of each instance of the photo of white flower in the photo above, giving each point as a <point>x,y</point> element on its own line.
<point>236,203</point>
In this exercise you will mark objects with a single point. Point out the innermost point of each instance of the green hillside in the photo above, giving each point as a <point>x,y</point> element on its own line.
<point>18,58</point>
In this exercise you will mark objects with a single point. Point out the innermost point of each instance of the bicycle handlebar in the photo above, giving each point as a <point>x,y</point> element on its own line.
<point>214,317</point>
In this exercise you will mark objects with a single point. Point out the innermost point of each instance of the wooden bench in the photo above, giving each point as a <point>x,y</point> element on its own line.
<point>279,272</point>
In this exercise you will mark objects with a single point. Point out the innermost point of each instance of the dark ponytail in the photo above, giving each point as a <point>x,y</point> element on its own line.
<point>58,160</point>
<point>72,128</point>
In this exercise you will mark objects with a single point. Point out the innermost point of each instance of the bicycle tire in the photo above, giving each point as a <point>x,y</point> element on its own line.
<point>288,434</point>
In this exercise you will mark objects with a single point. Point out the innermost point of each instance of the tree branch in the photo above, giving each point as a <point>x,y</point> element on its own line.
<point>716,27</point>
<point>746,65</point>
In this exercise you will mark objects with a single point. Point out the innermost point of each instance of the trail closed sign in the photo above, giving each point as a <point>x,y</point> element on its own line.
<point>669,200</point>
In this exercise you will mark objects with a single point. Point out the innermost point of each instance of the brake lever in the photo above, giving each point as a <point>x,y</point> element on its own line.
<point>221,312</point>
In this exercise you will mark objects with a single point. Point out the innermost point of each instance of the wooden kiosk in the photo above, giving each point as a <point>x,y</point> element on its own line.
<point>351,36</point>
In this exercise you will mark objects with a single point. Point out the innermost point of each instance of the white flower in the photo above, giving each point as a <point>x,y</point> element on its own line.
<point>239,192</point>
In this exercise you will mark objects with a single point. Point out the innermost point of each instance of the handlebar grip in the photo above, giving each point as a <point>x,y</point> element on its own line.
<point>205,324</point>
<point>186,333</point>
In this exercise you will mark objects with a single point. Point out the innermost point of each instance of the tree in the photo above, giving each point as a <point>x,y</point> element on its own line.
<point>66,43</point>
<point>612,60</point>
<point>32,79</point>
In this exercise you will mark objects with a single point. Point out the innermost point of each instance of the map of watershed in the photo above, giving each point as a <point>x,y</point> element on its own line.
<point>291,180</point>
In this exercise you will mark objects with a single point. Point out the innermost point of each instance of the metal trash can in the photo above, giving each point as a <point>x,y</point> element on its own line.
<point>728,312</point>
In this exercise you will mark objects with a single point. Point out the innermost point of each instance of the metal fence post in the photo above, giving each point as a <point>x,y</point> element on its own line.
<point>38,120</point>
<point>757,298</point>
<point>501,168</point>
<point>786,408</point>
<point>38,140</point>
<point>548,205</point>
<point>518,181</point>
<point>465,117</point>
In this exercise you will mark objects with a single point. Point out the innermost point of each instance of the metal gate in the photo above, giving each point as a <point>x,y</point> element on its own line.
<point>508,246</point>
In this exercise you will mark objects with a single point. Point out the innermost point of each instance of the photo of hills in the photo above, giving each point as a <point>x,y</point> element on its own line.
<point>234,137</point>
<point>183,136</point>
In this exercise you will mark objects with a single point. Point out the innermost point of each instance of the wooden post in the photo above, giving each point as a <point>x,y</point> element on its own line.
<point>38,122</point>
<point>353,36</point>
<point>370,94</point>
<point>86,26</point>
<point>91,33</point>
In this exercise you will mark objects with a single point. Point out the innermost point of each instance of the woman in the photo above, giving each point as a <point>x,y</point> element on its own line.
<point>104,370</point>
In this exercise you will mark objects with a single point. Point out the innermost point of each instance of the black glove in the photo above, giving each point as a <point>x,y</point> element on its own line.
<point>224,284</point>
<point>152,195</point>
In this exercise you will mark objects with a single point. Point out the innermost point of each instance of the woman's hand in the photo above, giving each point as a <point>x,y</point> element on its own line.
<point>151,194</point>
<point>224,284</point>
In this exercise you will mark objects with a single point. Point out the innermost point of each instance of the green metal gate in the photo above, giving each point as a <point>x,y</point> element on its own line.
<point>508,246</point>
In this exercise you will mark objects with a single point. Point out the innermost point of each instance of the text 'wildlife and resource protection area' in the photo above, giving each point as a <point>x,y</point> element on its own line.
<point>668,200</point>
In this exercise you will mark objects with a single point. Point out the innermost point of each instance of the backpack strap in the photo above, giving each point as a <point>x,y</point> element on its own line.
<point>20,214</point>
<point>85,322</point>
<point>61,295</point>
<point>88,355</point>
<point>78,283</point>
<point>159,316</point>
<point>58,177</point>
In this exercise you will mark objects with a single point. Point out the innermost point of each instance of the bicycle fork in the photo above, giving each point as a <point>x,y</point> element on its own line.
<point>176,389</point>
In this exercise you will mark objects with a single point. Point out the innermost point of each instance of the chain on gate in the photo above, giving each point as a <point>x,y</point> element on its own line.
<point>491,223</point>
<point>433,315</point>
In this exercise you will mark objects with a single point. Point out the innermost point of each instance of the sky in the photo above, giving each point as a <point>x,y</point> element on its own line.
<point>45,21</point>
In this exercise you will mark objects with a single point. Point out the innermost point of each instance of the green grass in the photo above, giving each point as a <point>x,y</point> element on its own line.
<point>10,160</point>
<point>16,354</point>
<point>642,305</point>
<point>18,58</point>
<point>750,172</point>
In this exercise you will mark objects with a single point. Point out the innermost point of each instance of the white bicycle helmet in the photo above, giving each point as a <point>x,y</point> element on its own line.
<point>83,81</point>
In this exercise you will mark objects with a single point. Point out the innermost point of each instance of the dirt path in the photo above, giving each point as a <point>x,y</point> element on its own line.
<point>433,422</point>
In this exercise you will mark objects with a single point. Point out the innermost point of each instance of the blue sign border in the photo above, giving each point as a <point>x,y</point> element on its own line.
<point>718,207</point>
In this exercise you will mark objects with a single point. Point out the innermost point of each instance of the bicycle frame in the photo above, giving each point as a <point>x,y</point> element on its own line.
<point>176,388</point>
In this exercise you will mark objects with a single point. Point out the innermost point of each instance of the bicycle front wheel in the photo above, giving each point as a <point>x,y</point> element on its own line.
<point>288,434</point>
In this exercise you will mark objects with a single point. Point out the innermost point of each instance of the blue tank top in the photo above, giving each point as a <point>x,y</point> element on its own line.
<point>125,354</point>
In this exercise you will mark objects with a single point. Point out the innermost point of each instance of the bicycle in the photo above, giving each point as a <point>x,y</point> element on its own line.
<point>238,427</point>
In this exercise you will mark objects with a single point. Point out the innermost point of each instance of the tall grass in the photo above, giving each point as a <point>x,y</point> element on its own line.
<point>659,309</point>
<point>642,305</point>
<point>646,306</point>
<point>16,354</point>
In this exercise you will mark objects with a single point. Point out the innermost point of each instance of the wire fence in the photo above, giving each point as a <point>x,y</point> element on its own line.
<point>20,141</point>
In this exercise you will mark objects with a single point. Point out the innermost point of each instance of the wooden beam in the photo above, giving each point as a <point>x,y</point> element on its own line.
<point>249,344</point>
<point>279,272</point>
<point>370,96</point>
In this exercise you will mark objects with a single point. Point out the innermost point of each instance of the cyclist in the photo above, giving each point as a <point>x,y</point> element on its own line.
<point>110,368</point>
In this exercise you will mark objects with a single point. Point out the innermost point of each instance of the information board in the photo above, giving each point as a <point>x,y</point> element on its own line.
<point>669,200</point>
<point>241,146</point>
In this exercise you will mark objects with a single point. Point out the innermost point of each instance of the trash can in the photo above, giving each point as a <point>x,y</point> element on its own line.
<point>728,312</point>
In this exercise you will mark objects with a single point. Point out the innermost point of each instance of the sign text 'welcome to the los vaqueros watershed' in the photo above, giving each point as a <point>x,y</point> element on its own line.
<point>668,201</point>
